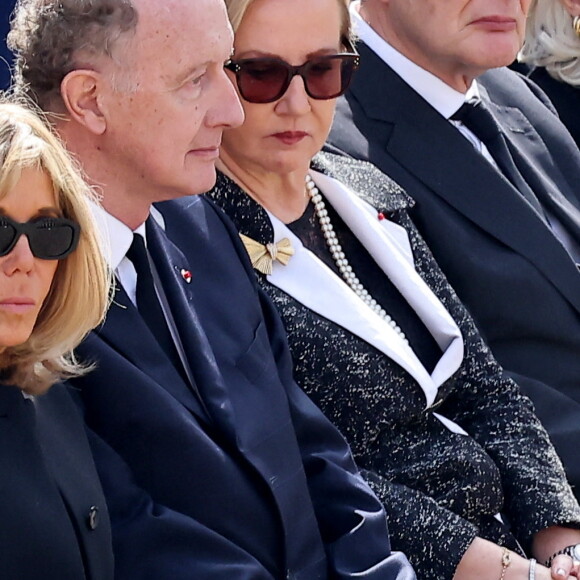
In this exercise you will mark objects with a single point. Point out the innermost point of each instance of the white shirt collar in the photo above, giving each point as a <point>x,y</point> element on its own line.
<point>116,236</point>
<point>443,98</point>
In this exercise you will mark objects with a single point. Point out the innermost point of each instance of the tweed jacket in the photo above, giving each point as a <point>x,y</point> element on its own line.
<point>445,452</point>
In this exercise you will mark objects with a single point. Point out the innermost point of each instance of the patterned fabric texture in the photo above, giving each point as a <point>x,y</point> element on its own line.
<point>440,488</point>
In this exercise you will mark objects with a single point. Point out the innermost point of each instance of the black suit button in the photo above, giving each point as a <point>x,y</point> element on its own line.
<point>93,518</point>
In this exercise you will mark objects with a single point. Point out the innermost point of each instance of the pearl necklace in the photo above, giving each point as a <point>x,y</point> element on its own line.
<point>340,259</point>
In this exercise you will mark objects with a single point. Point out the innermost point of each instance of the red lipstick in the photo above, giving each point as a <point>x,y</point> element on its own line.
<point>290,137</point>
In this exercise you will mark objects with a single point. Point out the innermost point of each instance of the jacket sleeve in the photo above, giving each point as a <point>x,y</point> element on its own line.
<point>558,413</point>
<point>434,537</point>
<point>491,408</point>
<point>158,543</point>
<point>351,519</point>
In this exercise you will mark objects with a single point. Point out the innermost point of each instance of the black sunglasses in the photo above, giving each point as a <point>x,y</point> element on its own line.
<point>265,80</point>
<point>49,238</point>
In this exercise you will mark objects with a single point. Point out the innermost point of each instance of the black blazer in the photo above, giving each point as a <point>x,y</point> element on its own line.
<point>564,97</point>
<point>240,476</point>
<point>53,517</point>
<point>440,488</point>
<point>514,276</point>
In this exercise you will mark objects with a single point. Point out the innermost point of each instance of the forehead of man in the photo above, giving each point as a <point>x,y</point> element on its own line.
<point>174,34</point>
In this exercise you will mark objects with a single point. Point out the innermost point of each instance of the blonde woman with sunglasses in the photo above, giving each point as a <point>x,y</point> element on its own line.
<point>53,290</point>
<point>468,476</point>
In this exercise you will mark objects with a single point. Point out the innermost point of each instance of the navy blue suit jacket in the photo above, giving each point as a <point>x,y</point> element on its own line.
<point>244,478</point>
<point>53,517</point>
<point>514,276</point>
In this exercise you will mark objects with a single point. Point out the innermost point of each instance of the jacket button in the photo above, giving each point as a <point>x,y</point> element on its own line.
<point>93,518</point>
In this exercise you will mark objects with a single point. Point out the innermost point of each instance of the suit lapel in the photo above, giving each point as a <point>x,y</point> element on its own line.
<point>388,245</point>
<point>529,151</point>
<point>172,267</point>
<point>142,350</point>
<point>405,122</point>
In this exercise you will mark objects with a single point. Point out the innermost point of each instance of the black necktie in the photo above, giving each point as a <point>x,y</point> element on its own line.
<point>475,115</point>
<point>147,302</point>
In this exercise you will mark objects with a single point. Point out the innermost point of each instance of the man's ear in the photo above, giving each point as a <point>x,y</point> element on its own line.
<point>80,92</point>
<point>572,7</point>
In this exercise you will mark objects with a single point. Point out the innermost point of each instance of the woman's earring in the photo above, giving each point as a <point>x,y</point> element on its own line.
<point>576,25</point>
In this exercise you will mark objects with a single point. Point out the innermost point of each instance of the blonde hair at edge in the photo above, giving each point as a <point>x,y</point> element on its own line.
<point>237,9</point>
<point>551,42</point>
<point>78,297</point>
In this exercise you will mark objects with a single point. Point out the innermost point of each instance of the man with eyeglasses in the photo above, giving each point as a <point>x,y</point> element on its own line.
<point>214,463</point>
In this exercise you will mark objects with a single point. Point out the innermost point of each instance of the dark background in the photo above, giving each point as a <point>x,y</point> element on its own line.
<point>6,7</point>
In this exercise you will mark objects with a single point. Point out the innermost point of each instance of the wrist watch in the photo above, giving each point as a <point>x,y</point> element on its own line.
<point>573,551</point>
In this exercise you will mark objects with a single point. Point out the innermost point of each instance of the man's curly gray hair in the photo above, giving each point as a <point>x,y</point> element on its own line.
<point>50,38</point>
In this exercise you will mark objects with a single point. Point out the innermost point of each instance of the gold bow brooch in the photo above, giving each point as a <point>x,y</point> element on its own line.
<point>262,256</point>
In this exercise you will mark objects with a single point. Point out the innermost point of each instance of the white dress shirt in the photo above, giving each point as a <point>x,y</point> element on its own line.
<point>116,239</point>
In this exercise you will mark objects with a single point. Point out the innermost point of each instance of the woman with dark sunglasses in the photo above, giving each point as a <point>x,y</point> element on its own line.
<point>468,475</point>
<point>54,288</point>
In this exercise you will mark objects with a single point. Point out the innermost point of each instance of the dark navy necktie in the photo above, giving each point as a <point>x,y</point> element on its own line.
<point>477,117</point>
<point>148,303</point>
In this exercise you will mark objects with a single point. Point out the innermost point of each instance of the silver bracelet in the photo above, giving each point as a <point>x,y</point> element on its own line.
<point>532,575</point>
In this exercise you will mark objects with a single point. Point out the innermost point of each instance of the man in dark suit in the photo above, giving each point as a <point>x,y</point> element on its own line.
<point>505,227</point>
<point>214,463</point>
<point>5,54</point>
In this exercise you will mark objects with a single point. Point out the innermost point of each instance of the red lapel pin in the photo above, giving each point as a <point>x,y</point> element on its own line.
<point>186,275</point>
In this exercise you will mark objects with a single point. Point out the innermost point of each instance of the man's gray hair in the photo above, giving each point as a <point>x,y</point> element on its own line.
<point>51,38</point>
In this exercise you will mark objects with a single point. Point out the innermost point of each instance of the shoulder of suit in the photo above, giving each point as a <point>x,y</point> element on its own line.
<point>367,180</point>
<point>199,218</point>
<point>179,204</point>
<point>510,88</point>
<point>187,210</point>
<point>10,398</point>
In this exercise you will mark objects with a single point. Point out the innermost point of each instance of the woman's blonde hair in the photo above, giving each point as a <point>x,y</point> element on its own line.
<point>551,42</point>
<point>79,294</point>
<point>237,9</point>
